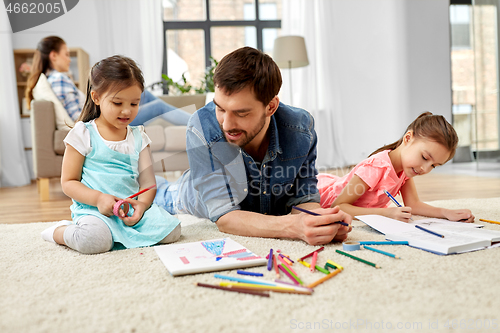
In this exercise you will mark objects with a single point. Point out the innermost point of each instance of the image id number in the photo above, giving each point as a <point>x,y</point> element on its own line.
<point>472,324</point>
<point>34,8</point>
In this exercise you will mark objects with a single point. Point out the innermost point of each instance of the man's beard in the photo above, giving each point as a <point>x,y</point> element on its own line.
<point>245,137</point>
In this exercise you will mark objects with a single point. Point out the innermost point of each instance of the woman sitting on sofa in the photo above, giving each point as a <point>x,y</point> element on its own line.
<point>52,59</point>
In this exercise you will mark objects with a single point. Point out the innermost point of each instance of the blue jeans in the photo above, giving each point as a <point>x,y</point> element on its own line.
<point>151,107</point>
<point>167,195</point>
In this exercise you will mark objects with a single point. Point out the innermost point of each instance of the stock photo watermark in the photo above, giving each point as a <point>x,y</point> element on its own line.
<point>375,325</point>
<point>26,14</point>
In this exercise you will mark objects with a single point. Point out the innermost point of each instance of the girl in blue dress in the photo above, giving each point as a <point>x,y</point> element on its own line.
<point>105,161</point>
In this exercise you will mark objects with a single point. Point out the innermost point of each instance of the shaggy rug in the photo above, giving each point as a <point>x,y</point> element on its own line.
<point>50,288</point>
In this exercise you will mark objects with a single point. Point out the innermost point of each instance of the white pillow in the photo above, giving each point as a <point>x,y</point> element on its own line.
<point>43,90</point>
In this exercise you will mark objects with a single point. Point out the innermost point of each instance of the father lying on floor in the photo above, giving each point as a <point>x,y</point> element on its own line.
<point>252,159</point>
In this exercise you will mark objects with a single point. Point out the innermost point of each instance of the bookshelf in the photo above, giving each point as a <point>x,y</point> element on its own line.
<point>79,67</point>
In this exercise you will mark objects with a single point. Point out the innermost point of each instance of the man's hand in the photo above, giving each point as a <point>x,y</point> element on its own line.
<point>318,230</point>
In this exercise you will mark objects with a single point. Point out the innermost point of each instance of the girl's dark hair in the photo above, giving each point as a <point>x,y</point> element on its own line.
<point>41,62</point>
<point>111,74</point>
<point>430,127</point>
<point>247,66</point>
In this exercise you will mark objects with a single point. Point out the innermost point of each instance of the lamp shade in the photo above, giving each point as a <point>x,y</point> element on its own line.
<point>290,52</point>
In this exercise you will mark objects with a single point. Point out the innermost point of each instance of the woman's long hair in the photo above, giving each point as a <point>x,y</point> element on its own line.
<point>431,127</point>
<point>41,63</point>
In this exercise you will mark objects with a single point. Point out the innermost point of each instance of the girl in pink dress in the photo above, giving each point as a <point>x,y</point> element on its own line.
<point>429,141</point>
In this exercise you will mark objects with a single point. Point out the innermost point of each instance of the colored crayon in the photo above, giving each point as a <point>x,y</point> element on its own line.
<point>381,252</point>
<point>249,273</point>
<point>262,293</point>
<point>358,259</point>
<point>323,279</point>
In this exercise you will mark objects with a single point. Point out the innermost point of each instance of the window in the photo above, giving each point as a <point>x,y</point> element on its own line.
<point>460,26</point>
<point>195,30</point>
<point>474,53</point>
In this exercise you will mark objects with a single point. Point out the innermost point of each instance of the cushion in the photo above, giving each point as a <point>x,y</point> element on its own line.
<point>59,136</point>
<point>43,90</point>
<point>175,138</point>
<point>157,136</point>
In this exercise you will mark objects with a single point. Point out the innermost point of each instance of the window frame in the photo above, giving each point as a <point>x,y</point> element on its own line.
<point>207,24</point>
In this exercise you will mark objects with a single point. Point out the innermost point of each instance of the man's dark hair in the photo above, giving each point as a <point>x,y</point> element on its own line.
<point>249,67</point>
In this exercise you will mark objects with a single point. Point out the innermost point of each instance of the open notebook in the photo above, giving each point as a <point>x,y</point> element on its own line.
<point>458,237</point>
<point>206,256</point>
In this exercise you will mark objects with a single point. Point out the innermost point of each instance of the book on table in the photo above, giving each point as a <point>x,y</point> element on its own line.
<point>206,256</point>
<point>458,237</point>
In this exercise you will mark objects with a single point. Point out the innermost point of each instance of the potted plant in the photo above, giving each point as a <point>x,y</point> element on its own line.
<point>206,84</point>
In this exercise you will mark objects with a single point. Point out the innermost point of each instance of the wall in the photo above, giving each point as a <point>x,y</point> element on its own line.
<point>78,27</point>
<point>105,28</point>
<point>393,63</point>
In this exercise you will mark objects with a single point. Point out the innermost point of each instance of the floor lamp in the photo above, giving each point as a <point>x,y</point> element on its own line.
<point>290,52</point>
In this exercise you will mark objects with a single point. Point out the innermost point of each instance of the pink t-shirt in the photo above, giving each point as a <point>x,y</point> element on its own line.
<point>376,171</point>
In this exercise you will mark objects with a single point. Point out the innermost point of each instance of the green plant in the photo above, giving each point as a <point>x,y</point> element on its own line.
<point>177,88</point>
<point>206,84</point>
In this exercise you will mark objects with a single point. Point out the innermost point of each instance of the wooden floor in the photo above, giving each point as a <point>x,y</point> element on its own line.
<point>22,205</point>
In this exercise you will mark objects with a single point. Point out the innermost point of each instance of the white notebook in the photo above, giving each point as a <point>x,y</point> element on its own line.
<point>206,256</point>
<point>457,237</point>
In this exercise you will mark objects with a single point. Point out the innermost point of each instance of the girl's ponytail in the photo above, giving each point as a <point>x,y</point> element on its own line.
<point>90,109</point>
<point>431,127</point>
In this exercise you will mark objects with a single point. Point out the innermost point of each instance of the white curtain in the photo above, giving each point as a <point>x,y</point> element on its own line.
<point>315,87</point>
<point>133,28</point>
<point>13,163</point>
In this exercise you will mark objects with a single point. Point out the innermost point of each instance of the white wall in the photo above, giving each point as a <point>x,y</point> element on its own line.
<point>78,27</point>
<point>104,28</point>
<point>396,65</point>
<point>392,63</point>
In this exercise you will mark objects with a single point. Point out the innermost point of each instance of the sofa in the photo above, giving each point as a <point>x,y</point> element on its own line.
<point>168,142</point>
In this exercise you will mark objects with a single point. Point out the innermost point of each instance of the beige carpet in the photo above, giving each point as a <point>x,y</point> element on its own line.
<point>49,288</point>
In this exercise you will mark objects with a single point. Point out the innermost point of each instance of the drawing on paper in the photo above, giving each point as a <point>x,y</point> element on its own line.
<point>215,247</point>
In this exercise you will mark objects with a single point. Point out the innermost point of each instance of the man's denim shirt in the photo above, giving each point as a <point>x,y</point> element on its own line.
<point>223,177</point>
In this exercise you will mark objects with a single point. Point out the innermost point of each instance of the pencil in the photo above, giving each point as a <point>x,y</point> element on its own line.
<point>489,221</point>
<point>313,261</point>
<point>384,243</point>
<point>394,201</point>
<point>310,254</point>
<point>270,260</point>
<point>305,263</point>
<point>279,289</point>
<point>323,279</point>
<point>334,264</point>
<point>322,270</point>
<point>358,259</point>
<point>287,266</point>
<point>319,268</point>
<point>292,276</point>
<point>288,260</point>
<point>249,273</point>
<point>381,252</point>
<point>276,267</point>
<point>263,293</point>
<point>293,285</point>
<point>429,231</point>
<point>287,257</point>
<point>316,214</point>
<point>141,191</point>
<point>248,280</point>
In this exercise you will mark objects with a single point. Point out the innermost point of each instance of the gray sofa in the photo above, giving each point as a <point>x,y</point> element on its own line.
<point>168,142</point>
